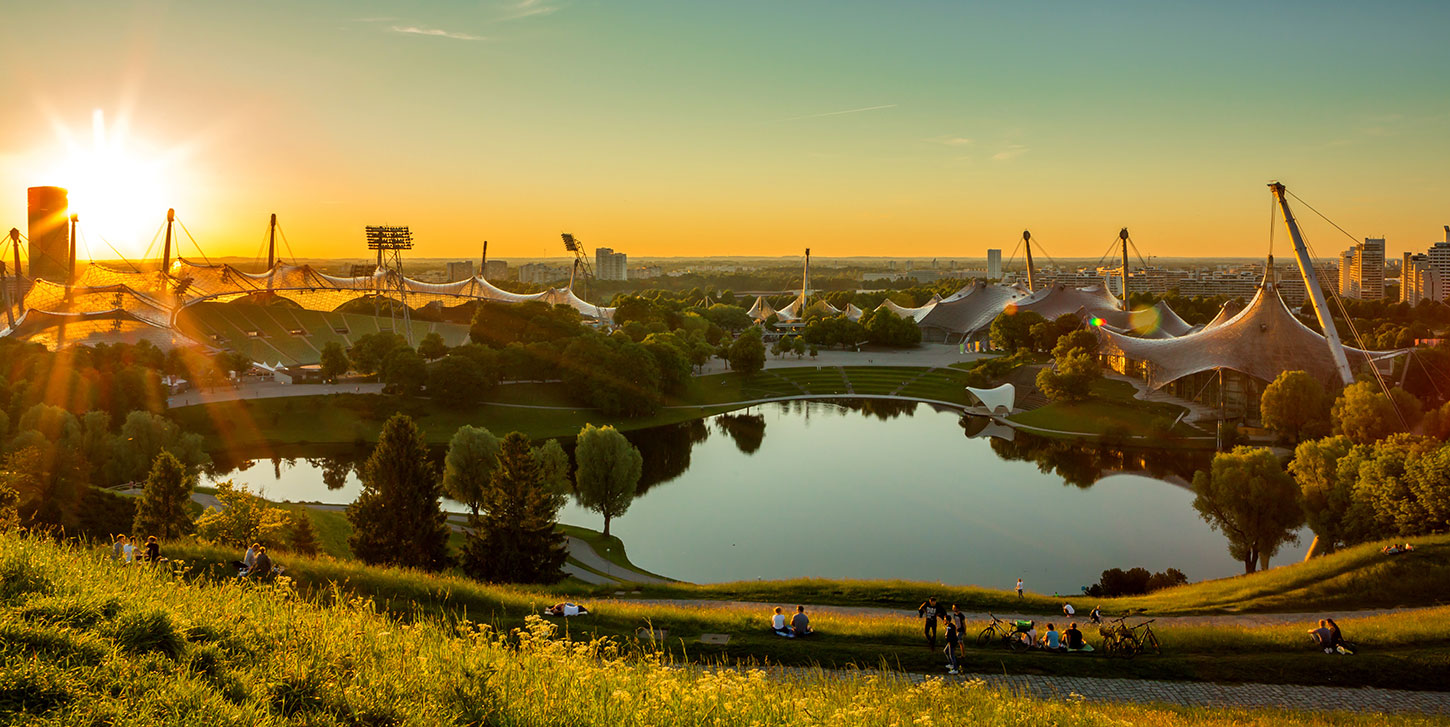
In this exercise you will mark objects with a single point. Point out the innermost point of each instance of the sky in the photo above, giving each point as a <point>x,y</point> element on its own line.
<point>693,128</point>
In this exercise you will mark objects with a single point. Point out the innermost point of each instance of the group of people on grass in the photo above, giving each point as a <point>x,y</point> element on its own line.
<point>256,563</point>
<point>123,551</point>
<point>798,627</point>
<point>1396,549</point>
<point>1328,637</point>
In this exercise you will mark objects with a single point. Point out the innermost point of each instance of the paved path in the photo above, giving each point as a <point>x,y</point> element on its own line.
<point>1233,619</point>
<point>268,390</point>
<point>586,555</point>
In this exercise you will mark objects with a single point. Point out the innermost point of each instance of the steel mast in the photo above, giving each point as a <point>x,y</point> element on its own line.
<point>1027,241</point>
<point>1311,283</point>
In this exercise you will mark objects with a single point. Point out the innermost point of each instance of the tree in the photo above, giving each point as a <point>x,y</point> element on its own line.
<point>304,536</point>
<point>1252,501</point>
<point>334,361</point>
<point>432,346</point>
<point>243,519</point>
<point>396,519</point>
<point>1012,330</point>
<point>1365,415</point>
<point>1325,493</point>
<point>162,511</point>
<point>467,468</point>
<point>747,353</point>
<point>1294,405</point>
<point>405,371</point>
<point>459,382</point>
<point>515,539</point>
<point>607,472</point>
<point>370,351</point>
<point>888,329</point>
<point>729,317</point>
<point>145,435</point>
<point>1428,477</point>
<point>553,467</point>
<point>1384,483</point>
<point>1072,380</point>
<point>1080,340</point>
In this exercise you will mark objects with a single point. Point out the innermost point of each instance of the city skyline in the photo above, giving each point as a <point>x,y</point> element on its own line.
<point>924,130</point>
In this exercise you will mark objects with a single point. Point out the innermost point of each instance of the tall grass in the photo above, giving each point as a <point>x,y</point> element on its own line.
<point>86,641</point>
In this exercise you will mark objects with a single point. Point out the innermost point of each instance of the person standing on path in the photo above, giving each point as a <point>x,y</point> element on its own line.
<point>1019,587</point>
<point>952,643</point>
<point>960,619</point>
<point>930,611</point>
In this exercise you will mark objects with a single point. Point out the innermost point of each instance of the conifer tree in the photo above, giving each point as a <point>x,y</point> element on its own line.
<point>304,536</point>
<point>513,539</point>
<point>162,511</point>
<point>397,518</point>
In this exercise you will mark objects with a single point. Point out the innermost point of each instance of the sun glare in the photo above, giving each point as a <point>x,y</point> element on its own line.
<point>118,186</point>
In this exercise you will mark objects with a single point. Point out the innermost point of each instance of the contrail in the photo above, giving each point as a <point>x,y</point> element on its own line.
<point>839,113</point>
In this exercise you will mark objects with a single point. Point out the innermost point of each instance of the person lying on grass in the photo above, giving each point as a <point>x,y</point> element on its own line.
<point>566,609</point>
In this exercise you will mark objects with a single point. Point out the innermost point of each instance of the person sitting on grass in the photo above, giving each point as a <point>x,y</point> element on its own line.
<point>153,550</point>
<point>1323,636</point>
<point>1051,641</point>
<point>800,623</point>
<point>262,566</point>
<point>1336,639</point>
<point>247,560</point>
<point>778,625</point>
<point>1072,639</point>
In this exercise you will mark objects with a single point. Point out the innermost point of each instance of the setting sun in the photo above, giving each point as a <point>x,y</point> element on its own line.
<point>119,187</point>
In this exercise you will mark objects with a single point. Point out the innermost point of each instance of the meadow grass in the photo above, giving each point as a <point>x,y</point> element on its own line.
<point>87,641</point>
<point>1407,650</point>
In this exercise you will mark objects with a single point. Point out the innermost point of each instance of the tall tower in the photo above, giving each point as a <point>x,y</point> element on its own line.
<point>994,264</point>
<point>49,233</point>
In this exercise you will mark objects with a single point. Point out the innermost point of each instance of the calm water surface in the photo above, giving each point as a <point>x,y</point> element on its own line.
<point>872,490</point>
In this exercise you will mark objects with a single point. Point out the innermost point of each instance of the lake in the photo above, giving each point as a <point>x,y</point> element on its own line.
<point>870,489</point>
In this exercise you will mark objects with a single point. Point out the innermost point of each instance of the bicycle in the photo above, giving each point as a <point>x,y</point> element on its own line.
<point>1009,633</point>
<point>1146,642</point>
<point>1118,639</point>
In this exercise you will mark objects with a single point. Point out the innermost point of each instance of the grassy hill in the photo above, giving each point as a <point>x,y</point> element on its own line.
<point>1355,578</point>
<point>87,641</point>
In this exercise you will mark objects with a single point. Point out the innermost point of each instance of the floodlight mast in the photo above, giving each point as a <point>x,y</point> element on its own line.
<point>1311,282</point>
<point>581,259</point>
<point>392,241</point>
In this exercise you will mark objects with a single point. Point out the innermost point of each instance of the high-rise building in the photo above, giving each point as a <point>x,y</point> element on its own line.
<point>496,270</point>
<point>1405,278</point>
<point>994,264</point>
<point>49,233</point>
<point>1369,269</point>
<point>1439,264</point>
<point>1417,279</point>
<point>461,270</point>
<point>1346,274</point>
<point>610,265</point>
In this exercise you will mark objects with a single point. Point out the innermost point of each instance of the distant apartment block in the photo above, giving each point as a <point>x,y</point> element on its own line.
<point>1347,286</point>
<point>1439,262</point>
<point>496,270</point>
<point>461,270</point>
<point>645,272</point>
<point>1367,276</point>
<point>542,273</point>
<point>610,265</point>
<point>994,264</point>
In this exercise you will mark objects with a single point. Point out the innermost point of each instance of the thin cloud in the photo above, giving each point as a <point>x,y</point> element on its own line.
<point>842,113</point>
<point>375,19</point>
<point>952,141</point>
<point>434,32</point>
<point>1011,152</point>
<point>528,9</point>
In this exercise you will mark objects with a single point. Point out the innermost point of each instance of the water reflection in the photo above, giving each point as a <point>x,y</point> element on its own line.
<point>871,483</point>
<point>746,430</point>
